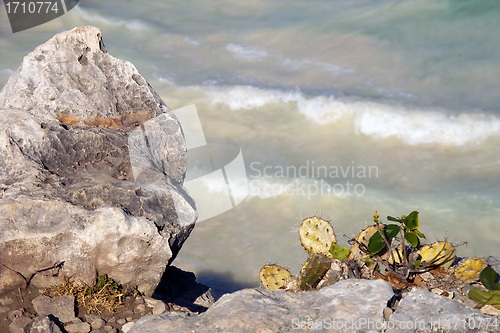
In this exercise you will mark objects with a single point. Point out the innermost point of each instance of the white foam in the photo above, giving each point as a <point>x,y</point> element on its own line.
<point>379,121</point>
<point>247,97</point>
<point>96,18</point>
<point>239,51</point>
<point>419,127</point>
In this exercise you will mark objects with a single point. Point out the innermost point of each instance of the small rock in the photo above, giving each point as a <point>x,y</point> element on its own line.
<point>488,309</point>
<point>78,328</point>
<point>141,308</point>
<point>44,325</point>
<point>159,308</point>
<point>19,324</point>
<point>127,327</point>
<point>387,313</point>
<point>139,300</point>
<point>15,313</point>
<point>127,313</point>
<point>6,301</point>
<point>151,301</point>
<point>95,322</point>
<point>121,321</point>
<point>129,319</point>
<point>108,328</point>
<point>62,307</point>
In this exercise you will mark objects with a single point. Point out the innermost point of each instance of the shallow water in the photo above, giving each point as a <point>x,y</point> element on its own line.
<point>340,108</point>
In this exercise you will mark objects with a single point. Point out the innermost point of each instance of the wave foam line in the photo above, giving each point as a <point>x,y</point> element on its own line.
<point>379,121</point>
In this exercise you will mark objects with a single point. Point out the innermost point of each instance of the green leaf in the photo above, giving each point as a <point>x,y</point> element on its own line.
<point>412,238</point>
<point>479,296</point>
<point>391,231</point>
<point>488,278</point>
<point>418,233</point>
<point>376,243</point>
<point>368,261</point>
<point>417,263</point>
<point>494,299</point>
<point>390,218</point>
<point>411,220</point>
<point>339,252</point>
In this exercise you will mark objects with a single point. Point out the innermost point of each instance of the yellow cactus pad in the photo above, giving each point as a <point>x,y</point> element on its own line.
<point>437,254</point>
<point>469,270</point>
<point>362,238</point>
<point>275,277</point>
<point>316,236</point>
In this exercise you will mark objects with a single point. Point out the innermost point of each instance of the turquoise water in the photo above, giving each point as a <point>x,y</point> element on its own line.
<point>406,88</point>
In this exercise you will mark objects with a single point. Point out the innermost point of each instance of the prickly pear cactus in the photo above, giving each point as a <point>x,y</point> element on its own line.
<point>469,270</point>
<point>439,254</point>
<point>361,242</point>
<point>275,277</point>
<point>313,271</point>
<point>316,236</point>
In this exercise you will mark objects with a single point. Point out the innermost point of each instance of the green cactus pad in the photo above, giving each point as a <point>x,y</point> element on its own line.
<point>313,271</point>
<point>275,277</point>
<point>316,236</point>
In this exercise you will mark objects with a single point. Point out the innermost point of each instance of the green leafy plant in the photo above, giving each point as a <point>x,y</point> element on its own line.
<point>488,278</point>
<point>408,229</point>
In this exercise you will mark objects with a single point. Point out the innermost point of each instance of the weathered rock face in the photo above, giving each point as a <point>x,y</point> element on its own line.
<point>101,195</point>
<point>347,306</point>
<point>330,309</point>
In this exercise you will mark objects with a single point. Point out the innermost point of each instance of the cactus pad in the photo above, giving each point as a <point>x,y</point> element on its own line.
<point>316,236</point>
<point>469,270</point>
<point>361,242</point>
<point>275,277</point>
<point>313,271</point>
<point>439,254</point>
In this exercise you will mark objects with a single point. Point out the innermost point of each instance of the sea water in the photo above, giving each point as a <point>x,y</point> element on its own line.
<point>340,109</point>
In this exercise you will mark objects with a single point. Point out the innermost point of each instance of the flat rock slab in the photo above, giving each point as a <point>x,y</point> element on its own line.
<point>334,309</point>
<point>63,308</point>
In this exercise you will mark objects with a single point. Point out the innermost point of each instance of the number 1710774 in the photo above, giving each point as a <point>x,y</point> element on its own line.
<point>31,7</point>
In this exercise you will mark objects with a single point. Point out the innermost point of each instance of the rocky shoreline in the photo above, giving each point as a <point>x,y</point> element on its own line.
<point>91,184</point>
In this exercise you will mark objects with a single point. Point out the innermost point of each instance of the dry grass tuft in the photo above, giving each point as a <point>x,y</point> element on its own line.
<point>104,296</point>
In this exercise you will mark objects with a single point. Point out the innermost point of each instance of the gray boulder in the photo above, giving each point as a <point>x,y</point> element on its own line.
<point>331,309</point>
<point>92,169</point>
<point>423,311</point>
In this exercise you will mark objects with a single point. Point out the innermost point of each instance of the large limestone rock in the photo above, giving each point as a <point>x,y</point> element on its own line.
<point>347,306</point>
<point>91,171</point>
<point>331,309</point>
